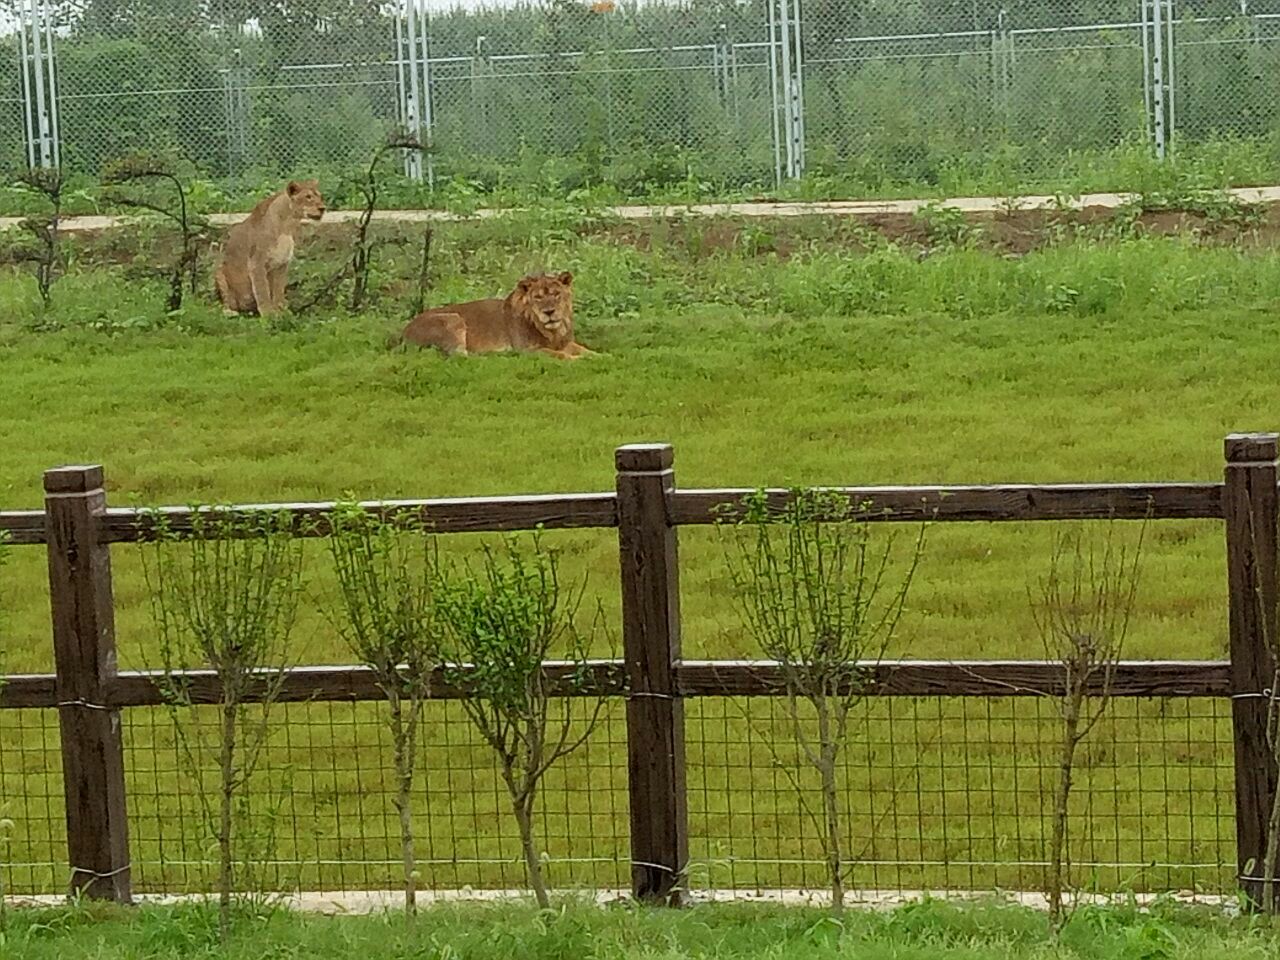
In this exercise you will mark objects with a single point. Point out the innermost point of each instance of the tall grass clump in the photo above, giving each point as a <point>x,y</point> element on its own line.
<point>224,599</point>
<point>502,621</point>
<point>387,572</point>
<point>818,596</point>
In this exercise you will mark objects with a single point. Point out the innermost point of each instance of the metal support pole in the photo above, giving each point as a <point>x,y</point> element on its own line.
<point>28,114</point>
<point>428,106</point>
<point>39,84</point>
<point>412,158</point>
<point>774,94</point>
<point>53,88</point>
<point>788,87</point>
<point>1157,79</point>
<point>1170,59</point>
<point>1148,112</point>
<point>798,90</point>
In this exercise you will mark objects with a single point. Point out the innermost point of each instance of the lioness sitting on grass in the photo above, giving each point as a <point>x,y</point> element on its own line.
<point>255,258</point>
<point>537,316</point>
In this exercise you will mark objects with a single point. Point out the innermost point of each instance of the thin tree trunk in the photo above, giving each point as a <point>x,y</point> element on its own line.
<point>835,854</point>
<point>1270,900</point>
<point>828,748</point>
<point>229,710</point>
<point>532,859</point>
<point>404,803</point>
<point>1057,841</point>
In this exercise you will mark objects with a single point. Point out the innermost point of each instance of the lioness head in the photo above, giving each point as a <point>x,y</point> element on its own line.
<point>546,302</point>
<point>306,199</point>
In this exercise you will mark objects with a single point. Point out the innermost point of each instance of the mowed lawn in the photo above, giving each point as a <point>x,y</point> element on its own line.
<point>1120,362</point>
<point>746,401</point>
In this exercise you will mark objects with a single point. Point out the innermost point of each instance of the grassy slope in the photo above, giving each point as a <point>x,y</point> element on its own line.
<point>916,932</point>
<point>1127,360</point>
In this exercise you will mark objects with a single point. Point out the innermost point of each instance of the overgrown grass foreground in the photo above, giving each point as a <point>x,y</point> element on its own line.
<point>932,929</point>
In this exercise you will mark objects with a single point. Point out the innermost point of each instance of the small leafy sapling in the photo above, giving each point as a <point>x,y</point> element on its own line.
<point>502,622</point>
<point>387,571</point>
<point>46,254</point>
<point>224,599</point>
<point>1082,608</point>
<point>823,601</point>
<point>133,180</point>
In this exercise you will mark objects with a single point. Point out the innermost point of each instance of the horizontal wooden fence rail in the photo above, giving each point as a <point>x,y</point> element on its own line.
<point>646,508</point>
<point>1118,501</point>
<point>694,678</point>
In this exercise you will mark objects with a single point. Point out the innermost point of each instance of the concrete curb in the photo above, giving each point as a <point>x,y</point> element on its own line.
<point>831,208</point>
<point>377,901</point>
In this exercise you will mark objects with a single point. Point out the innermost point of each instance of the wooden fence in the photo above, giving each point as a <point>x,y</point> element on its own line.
<point>78,529</point>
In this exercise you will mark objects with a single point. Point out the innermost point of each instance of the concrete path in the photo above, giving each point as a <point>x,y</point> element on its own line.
<point>830,208</point>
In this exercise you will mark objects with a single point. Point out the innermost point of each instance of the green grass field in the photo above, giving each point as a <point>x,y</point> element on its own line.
<point>916,932</point>
<point>767,353</point>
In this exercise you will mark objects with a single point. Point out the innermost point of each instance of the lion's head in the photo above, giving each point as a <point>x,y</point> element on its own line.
<point>545,301</point>
<point>306,199</point>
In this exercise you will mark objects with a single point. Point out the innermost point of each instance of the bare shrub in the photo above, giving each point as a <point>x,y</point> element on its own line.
<point>143,170</point>
<point>359,266</point>
<point>819,598</point>
<point>50,185</point>
<point>1082,608</point>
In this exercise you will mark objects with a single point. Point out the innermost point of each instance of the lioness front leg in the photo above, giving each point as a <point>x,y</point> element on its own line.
<point>261,286</point>
<point>277,281</point>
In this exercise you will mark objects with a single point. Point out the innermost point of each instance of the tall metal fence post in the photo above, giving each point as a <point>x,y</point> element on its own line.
<point>1251,507</point>
<point>651,647</point>
<point>84,647</point>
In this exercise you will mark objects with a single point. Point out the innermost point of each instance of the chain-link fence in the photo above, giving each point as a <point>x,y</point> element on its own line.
<point>733,94</point>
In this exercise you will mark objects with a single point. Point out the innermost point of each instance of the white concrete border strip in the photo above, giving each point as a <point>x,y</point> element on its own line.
<point>377,901</point>
<point>761,210</point>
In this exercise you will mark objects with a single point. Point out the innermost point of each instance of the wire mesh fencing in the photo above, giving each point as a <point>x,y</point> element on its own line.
<point>941,794</point>
<point>33,845</point>
<point>958,794</point>
<point>642,95</point>
<point>321,815</point>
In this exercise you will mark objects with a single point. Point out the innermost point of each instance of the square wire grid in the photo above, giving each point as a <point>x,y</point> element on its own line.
<point>323,818</point>
<point>957,795</point>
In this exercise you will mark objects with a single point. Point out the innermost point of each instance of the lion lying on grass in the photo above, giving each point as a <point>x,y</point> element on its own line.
<point>255,258</point>
<point>537,316</point>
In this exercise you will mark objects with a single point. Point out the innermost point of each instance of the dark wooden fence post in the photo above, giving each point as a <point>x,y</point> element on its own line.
<point>1251,508</point>
<point>84,646</point>
<point>651,645</point>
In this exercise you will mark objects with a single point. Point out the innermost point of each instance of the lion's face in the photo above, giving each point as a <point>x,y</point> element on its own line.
<point>306,199</point>
<point>547,303</point>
